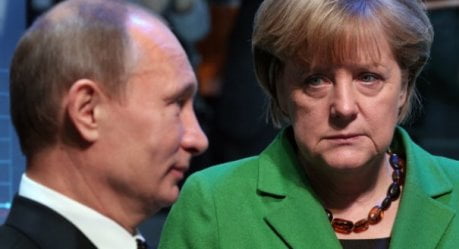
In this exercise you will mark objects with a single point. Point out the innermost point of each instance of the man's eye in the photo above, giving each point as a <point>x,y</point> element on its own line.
<point>181,102</point>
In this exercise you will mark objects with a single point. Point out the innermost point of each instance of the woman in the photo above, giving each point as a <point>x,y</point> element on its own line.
<point>341,76</point>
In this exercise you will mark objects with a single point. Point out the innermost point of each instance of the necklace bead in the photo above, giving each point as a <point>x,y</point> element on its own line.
<point>394,191</point>
<point>385,204</point>
<point>361,226</point>
<point>397,176</point>
<point>342,225</point>
<point>376,214</point>
<point>395,161</point>
<point>329,214</point>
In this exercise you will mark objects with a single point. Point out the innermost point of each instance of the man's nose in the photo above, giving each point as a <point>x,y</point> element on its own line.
<point>194,140</point>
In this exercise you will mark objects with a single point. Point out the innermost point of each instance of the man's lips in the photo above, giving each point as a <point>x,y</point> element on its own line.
<point>179,170</point>
<point>183,168</point>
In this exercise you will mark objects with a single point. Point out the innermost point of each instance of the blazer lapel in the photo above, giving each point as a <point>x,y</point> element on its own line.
<point>298,218</point>
<point>301,224</point>
<point>422,222</point>
<point>422,219</point>
<point>45,227</point>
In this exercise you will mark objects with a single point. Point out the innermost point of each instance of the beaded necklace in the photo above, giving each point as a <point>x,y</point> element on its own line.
<point>377,212</point>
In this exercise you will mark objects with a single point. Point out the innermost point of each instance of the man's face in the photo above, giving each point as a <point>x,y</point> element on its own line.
<point>153,133</point>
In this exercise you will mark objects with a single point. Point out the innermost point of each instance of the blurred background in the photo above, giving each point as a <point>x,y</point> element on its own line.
<point>230,105</point>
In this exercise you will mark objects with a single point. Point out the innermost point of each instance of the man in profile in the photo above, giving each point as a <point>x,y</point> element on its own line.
<point>102,101</point>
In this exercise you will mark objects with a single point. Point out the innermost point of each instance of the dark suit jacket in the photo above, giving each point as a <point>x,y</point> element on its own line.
<point>31,225</point>
<point>266,202</point>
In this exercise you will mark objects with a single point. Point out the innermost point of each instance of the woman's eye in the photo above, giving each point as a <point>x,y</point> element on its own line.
<point>369,78</point>
<point>316,85</point>
<point>370,83</point>
<point>314,81</point>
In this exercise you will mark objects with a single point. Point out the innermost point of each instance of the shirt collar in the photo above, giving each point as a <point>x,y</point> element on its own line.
<point>99,229</point>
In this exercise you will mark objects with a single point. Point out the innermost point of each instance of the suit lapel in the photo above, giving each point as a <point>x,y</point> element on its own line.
<point>298,218</point>
<point>45,227</point>
<point>422,219</point>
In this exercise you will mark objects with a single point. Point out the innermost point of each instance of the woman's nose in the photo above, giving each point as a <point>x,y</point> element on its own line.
<point>343,107</point>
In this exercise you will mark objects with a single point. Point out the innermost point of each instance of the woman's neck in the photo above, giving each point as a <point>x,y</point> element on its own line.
<point>351,194</point>
<point>342,190</point>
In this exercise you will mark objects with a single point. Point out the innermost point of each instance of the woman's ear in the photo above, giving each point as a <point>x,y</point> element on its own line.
<point>83,104</point>
<point>281,98</point>
<point>405,88</point>
<point>281,91</point>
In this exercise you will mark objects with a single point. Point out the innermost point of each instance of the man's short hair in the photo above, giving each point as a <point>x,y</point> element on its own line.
<point>75,40</point>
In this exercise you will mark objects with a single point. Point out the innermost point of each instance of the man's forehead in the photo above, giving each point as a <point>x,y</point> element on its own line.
<point>157,51</point>
<point>153,40</point>
<point>148,21</point>
<point>151,31</point>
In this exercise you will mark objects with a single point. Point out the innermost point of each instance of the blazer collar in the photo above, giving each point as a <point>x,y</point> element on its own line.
<point>281,177</point>
<point>421,219</point>
<point>299,218</point>
<point>278,168</point>
<point>45,227</point>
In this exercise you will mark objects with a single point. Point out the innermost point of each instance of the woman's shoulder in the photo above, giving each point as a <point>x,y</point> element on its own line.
<point>451,166</point>
<point>430,162</point>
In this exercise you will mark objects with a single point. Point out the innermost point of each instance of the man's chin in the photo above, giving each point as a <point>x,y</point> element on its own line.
<point>169,198</point>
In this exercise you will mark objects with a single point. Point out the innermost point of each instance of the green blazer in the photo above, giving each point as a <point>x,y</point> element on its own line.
<point>266,202</point>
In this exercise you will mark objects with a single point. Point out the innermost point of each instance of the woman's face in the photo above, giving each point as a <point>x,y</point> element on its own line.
<point>343,115</point>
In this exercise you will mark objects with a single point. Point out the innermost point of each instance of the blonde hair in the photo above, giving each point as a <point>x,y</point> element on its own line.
<point>338,30</point>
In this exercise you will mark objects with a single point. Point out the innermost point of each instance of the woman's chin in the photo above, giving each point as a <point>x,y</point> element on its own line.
<point>347,159</point>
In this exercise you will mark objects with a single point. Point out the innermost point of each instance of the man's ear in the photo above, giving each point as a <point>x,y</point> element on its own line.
<point>83,107</point>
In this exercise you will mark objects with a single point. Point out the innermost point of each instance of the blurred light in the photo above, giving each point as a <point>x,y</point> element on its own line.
<point>5,205</point>
<point>3,7</point>
<point>41,5</point>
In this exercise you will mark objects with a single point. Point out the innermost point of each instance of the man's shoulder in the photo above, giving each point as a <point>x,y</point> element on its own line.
<point>31,223</point>
<point>11,238</point>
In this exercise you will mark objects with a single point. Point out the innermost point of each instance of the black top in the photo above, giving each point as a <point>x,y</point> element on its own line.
<point>382,243</point>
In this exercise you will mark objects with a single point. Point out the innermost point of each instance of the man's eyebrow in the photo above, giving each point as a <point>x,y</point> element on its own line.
<point>188,89</point>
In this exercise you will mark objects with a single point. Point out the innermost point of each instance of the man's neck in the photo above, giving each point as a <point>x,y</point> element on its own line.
<point>71,176</point>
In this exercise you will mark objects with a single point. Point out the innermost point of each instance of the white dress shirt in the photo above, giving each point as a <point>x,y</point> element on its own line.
<point>103,232</point>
